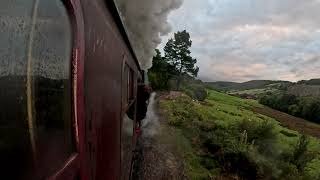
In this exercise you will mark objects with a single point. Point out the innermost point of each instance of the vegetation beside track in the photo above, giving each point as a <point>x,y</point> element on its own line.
<point>223,138</point>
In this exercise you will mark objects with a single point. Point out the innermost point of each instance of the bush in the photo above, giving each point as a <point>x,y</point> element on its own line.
<point>267,100</point>
<point>310,109</point>
<point>157,81</point>
<point>294,110</point>
<point>281,102</point>
<point>259,133</point>
<point>221,138</point>
<point>196,92</point>
<point>230,154</point>
<point>301,157</point>
<point>239,163</point>
<point>288,171</point>
<point>183,111</point>
<point>237,149</point>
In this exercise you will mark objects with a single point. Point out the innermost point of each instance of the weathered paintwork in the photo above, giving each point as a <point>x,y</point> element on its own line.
<point>106,53</point>
<point>68,76</point>
<point>101,51</point>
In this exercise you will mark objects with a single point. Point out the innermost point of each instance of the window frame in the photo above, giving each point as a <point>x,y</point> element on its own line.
<point>130,87</point>
<point>75,166</point>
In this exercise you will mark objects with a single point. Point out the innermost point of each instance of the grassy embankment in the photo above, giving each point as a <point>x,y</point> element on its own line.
<point>223,138</point>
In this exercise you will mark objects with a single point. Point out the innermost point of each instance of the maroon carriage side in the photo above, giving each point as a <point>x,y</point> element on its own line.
<point>68,78</point>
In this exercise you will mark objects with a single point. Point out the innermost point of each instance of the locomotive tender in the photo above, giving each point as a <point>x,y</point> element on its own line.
<point>68,76</point>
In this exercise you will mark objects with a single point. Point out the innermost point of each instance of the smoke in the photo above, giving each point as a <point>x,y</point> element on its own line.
<point>151,124</point>
<point>146,21</point>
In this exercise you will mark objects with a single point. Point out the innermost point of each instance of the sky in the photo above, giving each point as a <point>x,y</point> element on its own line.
<point>241,40</point>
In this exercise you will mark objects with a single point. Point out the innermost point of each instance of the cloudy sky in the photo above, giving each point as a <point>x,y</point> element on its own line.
<point>240,40</point>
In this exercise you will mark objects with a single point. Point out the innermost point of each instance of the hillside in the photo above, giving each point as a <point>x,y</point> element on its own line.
<point>254,84</point>
<point>256,88</point>
<point>310,82</point>
<point>221,85</point>
<point>226,137</point>
<point>304,90</point>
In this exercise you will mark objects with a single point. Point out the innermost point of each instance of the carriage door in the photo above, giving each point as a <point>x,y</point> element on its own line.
<point>128,119</point>
<point>36,109</point>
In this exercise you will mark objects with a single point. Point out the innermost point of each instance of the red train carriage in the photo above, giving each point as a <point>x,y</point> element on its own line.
<point>68,76</point>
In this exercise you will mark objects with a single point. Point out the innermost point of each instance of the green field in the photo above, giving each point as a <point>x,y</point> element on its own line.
<point>223,138</point>
<point>253,91</point>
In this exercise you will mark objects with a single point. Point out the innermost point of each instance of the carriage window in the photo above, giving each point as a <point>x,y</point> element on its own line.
<point>35,94</point>
<point>128,85</point>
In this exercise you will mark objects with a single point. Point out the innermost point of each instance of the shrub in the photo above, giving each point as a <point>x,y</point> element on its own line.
<point>221,138</point>
<point>182,111</point>
<point>188,92</point>
<point>253,127</point>
<point>288,171</point>
<point>239,163</point>
<point>310,109</point>
<point>268,100</point>
<point>294,110</point>
<point>301,157</point>
<point>259,133</point>
<point>196,91</point>
<point>158,81</point>
<point>279,101</point>
<point>200,94</point>
<point>230,155</point>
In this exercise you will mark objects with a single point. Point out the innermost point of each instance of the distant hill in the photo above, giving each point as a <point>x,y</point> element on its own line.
<point>310,82</point>
<point>254,84</point>
<point>301,88</point>
<point>221,85</point>
<point>304,90</point>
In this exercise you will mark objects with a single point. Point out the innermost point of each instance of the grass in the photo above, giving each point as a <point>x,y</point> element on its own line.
<point>205,127</point>
<point>254,91</point>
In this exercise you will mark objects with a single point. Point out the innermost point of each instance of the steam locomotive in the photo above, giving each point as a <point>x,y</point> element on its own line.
<point>71,91</point>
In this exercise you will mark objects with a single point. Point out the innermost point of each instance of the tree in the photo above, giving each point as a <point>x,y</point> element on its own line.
<point>160,72</point>
<point>178,55</point>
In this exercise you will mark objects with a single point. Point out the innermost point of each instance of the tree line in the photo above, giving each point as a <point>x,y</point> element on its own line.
<point>305,107</point>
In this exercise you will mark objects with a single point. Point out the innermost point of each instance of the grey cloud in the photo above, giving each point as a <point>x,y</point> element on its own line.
<point>231,35</point>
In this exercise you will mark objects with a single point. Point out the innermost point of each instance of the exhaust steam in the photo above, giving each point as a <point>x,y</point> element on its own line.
<point>150,124</point>
<point>146,21</point>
